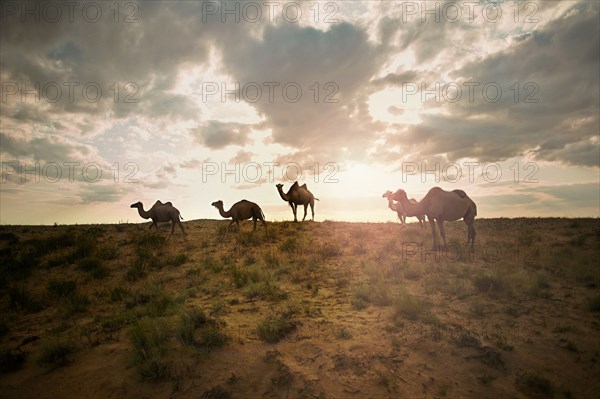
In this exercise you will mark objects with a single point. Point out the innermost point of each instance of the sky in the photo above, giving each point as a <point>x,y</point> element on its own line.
<point>108,103</point>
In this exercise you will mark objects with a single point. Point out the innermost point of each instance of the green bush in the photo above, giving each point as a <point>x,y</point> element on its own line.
<point>136,271</point>
<point>21,298</point>
<point>534,385</point>
<point>61,288</point>
<point>11,360</point>
<point>89,264</point>
<point>54,352</point>
<point>149,338</point>
<point>593,303</point>
<point>411,307</point>
<point>274,329</point>
<point>266,289</point>
<point>75,304</point>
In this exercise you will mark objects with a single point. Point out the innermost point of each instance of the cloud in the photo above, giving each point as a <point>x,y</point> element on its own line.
<point>544,109</point>
<point>310,67</point>
<point>242,157</point>
<point>48,149</point>
<point>96,193</point>
<point>216,135</point>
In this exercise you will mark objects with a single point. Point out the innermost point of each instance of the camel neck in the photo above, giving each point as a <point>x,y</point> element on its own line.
<point>223,213</point>
<point>283,195</point>
<point>142,212</point>
<point>410,207</point>
<point>390,203</point>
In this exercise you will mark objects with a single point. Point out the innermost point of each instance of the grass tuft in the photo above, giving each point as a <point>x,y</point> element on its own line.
<point>54,352</point>
<point>274,329</point>
<point>149,338</point>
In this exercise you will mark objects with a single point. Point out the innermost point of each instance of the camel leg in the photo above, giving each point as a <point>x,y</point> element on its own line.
<point>265,224</point>
<point>305,209</point>
<point>312,210</point>
<point>295,209</point>
<point>402,220</point>
<point>228,226</point>
<point>471,234</point>
<point>442,231</point>
<point>432,224</point>
<point>254,229</point>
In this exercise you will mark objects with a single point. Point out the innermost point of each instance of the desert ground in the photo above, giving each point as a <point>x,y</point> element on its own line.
<point>311,310</point>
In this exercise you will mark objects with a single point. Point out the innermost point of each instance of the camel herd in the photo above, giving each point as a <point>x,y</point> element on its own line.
<point>438,205</point>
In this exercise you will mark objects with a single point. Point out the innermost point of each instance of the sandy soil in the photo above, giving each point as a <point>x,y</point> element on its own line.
<point>370,310</point>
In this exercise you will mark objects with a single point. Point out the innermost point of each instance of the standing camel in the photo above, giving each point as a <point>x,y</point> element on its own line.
<point>298,195</point>
<point>400,211</point>
<point>241,210</point>
<point>440,206</point>
<point>161,213</point>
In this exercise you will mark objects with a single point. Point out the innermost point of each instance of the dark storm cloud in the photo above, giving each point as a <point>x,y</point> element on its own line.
<point>148,52</point>
<point>560,62</point>
<point>48,149</point>
<point>215,134</point>
<point>338,62</point>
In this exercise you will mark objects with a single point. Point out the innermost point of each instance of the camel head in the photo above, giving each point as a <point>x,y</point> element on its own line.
<point>218,204</point>
<point>279,186</point>
<point>387,194</point>
<point>136,205</point>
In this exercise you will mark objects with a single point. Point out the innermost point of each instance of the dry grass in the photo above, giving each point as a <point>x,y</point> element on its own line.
<point>311,310</point>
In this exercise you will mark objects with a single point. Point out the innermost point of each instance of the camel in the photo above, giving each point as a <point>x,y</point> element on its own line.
<point>298,195</point>
<point>241,210</point>
<point>400,211</point>
<point>161,213</point>
<point>440,206</point>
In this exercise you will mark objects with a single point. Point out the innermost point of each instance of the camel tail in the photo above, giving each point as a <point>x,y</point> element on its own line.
<point>180,217</point>
<point>316,198</point>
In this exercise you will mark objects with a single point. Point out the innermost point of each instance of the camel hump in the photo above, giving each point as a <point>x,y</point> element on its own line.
<point>304,186</point>
<point>460,193</point>
<point>295,185</point>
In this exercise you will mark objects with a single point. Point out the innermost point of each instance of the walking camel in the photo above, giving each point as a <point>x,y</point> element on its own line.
<point>440,206</point>
<point>159,213</point>
<point>400,211</point>
<point>242,210</point>
<point>298,195</point>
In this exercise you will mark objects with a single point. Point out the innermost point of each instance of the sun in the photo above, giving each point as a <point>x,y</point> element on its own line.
<point>394,105</point>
